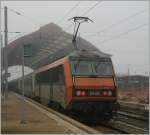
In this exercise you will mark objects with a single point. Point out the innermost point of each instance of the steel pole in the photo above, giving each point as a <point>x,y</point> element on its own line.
<point>2,66</point>
<point>23,98</point>
<point>5,50</point>
<point>1,52</point>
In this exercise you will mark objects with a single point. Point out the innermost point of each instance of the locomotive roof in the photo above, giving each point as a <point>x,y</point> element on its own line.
<point>49,43</point>
<point>89,53</point>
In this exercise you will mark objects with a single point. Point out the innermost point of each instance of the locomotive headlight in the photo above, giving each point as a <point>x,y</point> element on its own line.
<point>78,93</point>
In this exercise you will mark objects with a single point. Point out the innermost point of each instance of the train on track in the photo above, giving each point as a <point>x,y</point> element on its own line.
<point>82,81</point>
<point>65,78</point>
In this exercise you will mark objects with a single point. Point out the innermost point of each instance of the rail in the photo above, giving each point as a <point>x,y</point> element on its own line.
<point>135,105</point>
<point>116,124</point>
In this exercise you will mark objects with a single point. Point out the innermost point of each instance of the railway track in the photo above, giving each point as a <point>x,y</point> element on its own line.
<point>124,127</point>
<point>123,122</point>
<point>117,125</point>
<point>134,119</point>
<point>133,115</point>
<point>134,108</point>
<point>96,123</point>
<point>129,123</point>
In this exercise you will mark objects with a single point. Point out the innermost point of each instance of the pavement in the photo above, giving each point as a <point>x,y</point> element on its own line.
<point>37,120</point>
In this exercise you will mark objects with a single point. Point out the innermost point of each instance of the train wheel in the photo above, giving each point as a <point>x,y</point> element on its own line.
<point>53,105</point>
<point>61,109</point>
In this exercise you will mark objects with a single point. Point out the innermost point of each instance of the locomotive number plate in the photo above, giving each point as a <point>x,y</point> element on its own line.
<point>95,93</point>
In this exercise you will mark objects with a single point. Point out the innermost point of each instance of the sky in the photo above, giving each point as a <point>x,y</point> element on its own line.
<point>119,28</point>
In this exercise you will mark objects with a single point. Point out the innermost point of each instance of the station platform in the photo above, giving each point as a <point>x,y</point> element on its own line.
<point>37,119</point>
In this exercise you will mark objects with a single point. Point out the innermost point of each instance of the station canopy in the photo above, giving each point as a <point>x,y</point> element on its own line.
<point>48,44</point>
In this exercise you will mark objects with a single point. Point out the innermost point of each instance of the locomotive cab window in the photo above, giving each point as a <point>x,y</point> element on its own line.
<point>81,68</point>
<point>103,68</point>
<point>89,67</point>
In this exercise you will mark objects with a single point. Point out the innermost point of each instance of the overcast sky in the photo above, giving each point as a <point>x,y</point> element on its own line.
<point>120,28</point>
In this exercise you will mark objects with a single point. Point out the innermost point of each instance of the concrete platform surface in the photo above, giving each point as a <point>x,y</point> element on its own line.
<point>36,120</point>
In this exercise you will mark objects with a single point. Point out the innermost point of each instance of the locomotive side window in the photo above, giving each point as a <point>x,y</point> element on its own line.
<point>58,75</point>
<point>55,75</point>
<point>61,75</point>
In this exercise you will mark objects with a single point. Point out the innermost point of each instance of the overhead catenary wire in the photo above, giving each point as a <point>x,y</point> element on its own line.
<point>70,11</point>
<point>124,33</point>
<point>86,12</point>
<point>91,8</point>
<point>68,27</point>
<point>116,24</point>
<point>29,18</point>
<point>26,17</point>
<point>36,22</point>
<point>122,21</point>
<point>16,37</point>
<point>15,32</point>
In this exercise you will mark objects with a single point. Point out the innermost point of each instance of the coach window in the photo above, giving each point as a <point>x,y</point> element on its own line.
<point>61,75</point>
<point>55,75</point>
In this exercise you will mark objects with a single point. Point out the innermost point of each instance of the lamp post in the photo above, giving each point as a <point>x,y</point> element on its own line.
<point>5,53</point>
<point>2,66</point>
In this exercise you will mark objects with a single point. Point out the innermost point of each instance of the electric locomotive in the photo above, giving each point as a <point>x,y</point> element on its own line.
<point>82,82</point>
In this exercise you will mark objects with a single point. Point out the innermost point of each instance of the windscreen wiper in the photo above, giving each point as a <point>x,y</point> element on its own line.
<point>77,64</point>
<point>96,66</point>
<point>93,76</point>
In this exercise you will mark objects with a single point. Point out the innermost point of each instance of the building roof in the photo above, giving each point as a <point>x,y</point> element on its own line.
<point>49,43</point>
